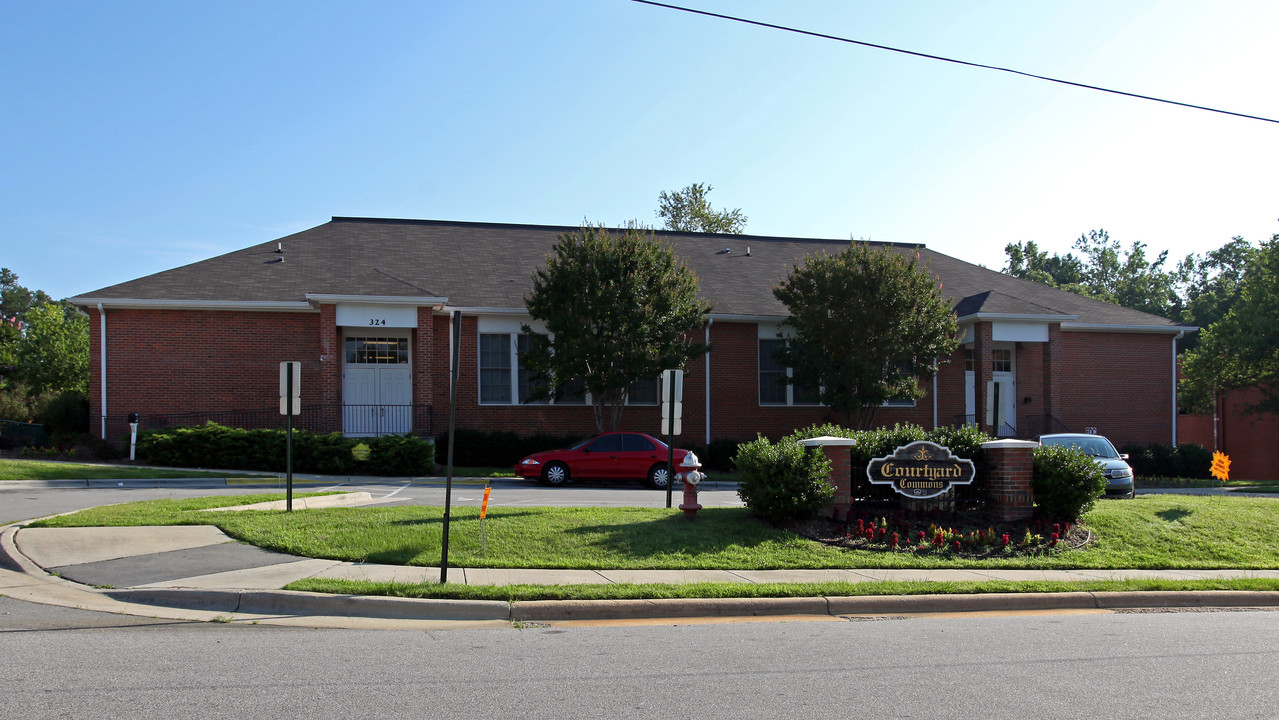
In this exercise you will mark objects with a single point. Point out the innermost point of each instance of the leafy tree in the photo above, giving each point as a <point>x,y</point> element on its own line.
<point>866,325</point>
<point>689,210</point>
<point>1102,271</point>
<point>15,302</point>
<point>1211,284</point>
<point>619,308</point>
<point>53,353</point>
<point>1242,349</point>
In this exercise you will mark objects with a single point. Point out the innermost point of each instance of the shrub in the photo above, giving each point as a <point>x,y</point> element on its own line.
<point>477,448</point>
<point>785,482</point>
<point>1066,482</point>
<point>212,445</point>
<point>65,414</point>
<point>1186,460</point>
<point>401,455</point>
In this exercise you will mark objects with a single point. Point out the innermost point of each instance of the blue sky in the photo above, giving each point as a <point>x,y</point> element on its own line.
<point>140,136</point>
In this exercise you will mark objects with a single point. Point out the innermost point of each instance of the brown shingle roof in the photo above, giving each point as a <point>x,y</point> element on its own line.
<point>486,265</point>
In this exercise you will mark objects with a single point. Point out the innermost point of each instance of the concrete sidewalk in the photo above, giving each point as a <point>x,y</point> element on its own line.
<point>198,569</point>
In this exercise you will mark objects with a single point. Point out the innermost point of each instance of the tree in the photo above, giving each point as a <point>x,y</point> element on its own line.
<point>53,353</point>
<point>1242,349</point>
<point>15,302</point>
<point>865,326</point>
<point>1103,271</point>
<point>689,210</point>
<point>1211,284</point>
<point>619,308</point>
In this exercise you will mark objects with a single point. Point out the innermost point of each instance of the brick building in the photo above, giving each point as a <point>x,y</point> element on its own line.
<point>365,305</point>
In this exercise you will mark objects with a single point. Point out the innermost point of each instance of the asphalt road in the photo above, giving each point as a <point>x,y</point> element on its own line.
<point>62,663</point>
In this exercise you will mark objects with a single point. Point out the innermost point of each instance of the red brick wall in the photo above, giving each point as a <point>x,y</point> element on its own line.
<point>170,361</point>
<point>1250,440</point>
<point>1119,383</point>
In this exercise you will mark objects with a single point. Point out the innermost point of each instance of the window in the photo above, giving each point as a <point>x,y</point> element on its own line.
<point>505,380</point>
<point>636,443</point>
<point>643,392</point>
<point>377,351</point>
<point>495,368</point>
<point>773,388</point>
<point>1002,360</point>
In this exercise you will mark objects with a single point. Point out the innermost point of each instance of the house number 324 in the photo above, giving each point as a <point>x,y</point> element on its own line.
<point>377,321</point>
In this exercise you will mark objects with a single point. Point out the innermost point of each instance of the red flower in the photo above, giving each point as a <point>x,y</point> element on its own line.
<point>938,539</point>
<point>1053,542</point>
<point>958,545</point>
<point>1006,539</point>
<point>893,542</point>
<point>922,536</point>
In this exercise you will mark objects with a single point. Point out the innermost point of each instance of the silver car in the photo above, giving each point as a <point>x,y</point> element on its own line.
<point>1113,465</point>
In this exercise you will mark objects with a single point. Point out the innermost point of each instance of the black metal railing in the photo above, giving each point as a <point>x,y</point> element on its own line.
<point>14,434</point>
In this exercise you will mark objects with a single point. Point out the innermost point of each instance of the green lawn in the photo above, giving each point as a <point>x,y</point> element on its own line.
<point>1158,531</point>
<point>47,470</point>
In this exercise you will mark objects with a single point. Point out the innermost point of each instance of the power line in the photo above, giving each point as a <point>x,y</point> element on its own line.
<point>825,36</point>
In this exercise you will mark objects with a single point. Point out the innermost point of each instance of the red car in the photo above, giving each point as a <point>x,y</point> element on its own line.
<point>626,455</point>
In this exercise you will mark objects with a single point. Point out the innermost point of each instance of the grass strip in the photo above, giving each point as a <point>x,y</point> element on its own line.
<point>521,593</point>
<point>47,470</point>
<point>1150,532</point>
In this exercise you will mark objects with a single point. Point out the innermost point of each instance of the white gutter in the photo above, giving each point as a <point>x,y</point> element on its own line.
<point>102,357</point>
<point>151,304</point>
<point>709,321</point>
<point>377,299</point>
<point>1174,387</point>
<point>1093,327</point>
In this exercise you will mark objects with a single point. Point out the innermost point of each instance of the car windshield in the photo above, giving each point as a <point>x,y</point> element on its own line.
<point>1094,445</point>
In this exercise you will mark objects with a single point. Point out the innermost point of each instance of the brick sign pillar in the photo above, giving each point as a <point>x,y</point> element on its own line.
<point>1008,474</point>
<point>840,453</point>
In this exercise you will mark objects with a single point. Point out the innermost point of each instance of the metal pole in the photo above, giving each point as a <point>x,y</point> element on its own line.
<point>448,476</point>
<point>288,440</point>
<point>670,439</point>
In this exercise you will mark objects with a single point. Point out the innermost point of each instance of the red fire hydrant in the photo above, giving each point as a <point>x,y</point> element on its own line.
<point>690,476</point>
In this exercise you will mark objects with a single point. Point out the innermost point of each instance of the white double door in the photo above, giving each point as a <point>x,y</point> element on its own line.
<point>377,399</point>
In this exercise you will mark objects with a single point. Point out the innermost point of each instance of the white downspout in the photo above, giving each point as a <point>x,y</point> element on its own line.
<point>709,321</point>
<point>1174,386</point>
<point>102,358</point>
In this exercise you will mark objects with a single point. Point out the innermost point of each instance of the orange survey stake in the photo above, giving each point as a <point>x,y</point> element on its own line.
<point>484,507</point>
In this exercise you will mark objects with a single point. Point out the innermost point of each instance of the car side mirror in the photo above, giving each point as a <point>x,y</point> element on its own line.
<point>1123,456</point>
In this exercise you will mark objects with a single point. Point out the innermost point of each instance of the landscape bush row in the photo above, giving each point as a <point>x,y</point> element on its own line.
<point>216,446</point>
<point>1185,460</point>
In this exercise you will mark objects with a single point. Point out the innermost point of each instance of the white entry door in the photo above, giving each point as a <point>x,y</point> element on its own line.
<point>1003,394</point>
<point>377,387</point>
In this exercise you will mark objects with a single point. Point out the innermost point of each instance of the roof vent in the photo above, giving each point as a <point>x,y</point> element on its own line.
<point>748,251</point>
<point>725,251</point>
<point>279,248</point>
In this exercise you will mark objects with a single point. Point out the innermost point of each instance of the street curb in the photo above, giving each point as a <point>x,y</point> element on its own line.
<point>287,602</point>
<point>543,610</point>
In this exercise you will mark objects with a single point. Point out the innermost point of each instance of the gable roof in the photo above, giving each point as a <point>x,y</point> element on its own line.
<point>490,266</point>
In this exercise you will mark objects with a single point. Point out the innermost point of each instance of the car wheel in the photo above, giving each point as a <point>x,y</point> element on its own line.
<point>659,477</point>
<point>555,474</point>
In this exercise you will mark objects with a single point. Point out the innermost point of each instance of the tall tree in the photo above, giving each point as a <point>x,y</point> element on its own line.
<point>53,353</point>
<point>15,302</point>
<point>1102,271</point>
<point>1211,283</point>
<point>689,210</point>
<point>865,326</point>
<point>1242,349</point>
<point>619,308</point>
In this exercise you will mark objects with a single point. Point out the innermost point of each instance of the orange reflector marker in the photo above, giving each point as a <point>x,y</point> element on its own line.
<point>484,507</point>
